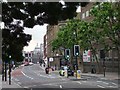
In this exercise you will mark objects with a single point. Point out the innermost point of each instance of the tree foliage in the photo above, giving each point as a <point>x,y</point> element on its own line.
<point>14,39</point>
<point>37,13</point>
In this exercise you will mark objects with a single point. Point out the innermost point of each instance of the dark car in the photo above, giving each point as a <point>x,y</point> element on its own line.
<point>70,72</point>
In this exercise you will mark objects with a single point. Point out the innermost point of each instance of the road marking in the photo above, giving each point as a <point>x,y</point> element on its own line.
<point>60,86</point>
<point>19,82</point>
<point>26,87</point>
<point>26,75</point>
<point>84,81</point>
<point>16,79</point>
<point>63,79</point>
<point>114,83</point>
<point>105,83</point>
<point>34,85</point>
<point>104,78</point>
<point>99,81</point>
<point>79,82</point>
<point>110,86</point>
<point>16,84</point>
<point>100,86</point>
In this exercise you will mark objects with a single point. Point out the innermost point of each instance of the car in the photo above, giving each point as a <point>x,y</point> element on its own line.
<point>70,72</point>
<point>26,63</point>
<point>30,63</point>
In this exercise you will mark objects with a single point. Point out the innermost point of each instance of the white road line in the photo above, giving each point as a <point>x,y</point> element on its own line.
<point>104,78</point>
<point>26,75</point>
<point>79,82</point>
<point>26,87</point>
<point>16,79</point>
<point>61,86</point>
<point>34,85</point>
<point>99,81</point>
<point>19,82</point>
<point>110,86</point>
<point>84,81</point>
<point>105,83</point>
<point>114,83</point>
<point>100,86</point>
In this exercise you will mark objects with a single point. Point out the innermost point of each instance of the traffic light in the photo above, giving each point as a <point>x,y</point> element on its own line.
<point>76,50</point>
<point>67,53</point>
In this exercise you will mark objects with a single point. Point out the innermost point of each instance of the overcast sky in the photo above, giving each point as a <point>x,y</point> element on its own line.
<point>37,33</point>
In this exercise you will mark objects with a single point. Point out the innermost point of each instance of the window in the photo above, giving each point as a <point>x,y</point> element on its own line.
<point>83,15</point>
<point>87,13</point>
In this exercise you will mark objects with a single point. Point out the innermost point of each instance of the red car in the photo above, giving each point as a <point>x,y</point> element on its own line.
<point>26,63</point>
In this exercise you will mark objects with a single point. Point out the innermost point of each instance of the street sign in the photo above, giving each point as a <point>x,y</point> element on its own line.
<point>86,56</point>
<point>51,59</point>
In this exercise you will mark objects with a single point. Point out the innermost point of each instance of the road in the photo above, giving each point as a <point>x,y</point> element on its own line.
<point>34,77</point>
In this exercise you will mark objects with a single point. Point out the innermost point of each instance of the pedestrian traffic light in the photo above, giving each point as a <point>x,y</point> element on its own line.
<point>76,50</point>
<point>67,53</point>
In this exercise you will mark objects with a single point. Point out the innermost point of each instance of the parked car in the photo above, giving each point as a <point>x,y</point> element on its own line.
<point>30,63</point>
<point>26,63</point>
<point>70,72</point>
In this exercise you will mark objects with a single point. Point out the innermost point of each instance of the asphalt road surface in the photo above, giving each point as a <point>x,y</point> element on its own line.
<point>35,77</point>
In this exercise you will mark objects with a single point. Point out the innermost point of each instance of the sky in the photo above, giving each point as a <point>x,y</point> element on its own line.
<point>37,33</point>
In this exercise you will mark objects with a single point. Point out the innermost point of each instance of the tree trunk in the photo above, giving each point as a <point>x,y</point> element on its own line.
<point>98,63</point>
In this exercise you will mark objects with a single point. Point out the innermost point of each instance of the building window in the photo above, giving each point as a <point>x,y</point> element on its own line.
<point>83,15</point>
<point>87,13</point>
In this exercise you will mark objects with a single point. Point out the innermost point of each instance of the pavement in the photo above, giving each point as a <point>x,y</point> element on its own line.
<point>5,84</point>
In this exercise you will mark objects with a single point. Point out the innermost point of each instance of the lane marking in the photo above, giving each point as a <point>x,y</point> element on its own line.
<point>16,79</point>
<point>26,87</point>
<point>34,85</point>
<point>105,83</point>
<point>61,86</point>
<point>79,82</point>
<point>84,81</point>
<point>99,81</point>
<point>26,75</point>
<point>19,82</point>
<point>110,86</point>
<point>114,83</point>
<point>100,86</point>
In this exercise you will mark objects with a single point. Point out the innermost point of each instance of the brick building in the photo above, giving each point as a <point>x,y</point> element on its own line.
<point>111,58</point>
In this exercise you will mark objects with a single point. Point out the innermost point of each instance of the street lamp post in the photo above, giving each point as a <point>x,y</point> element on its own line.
<point>9,70</point>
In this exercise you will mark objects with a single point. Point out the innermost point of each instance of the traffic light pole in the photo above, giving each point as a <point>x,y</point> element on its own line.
<point>76,66</point>
<point>9,73</point>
